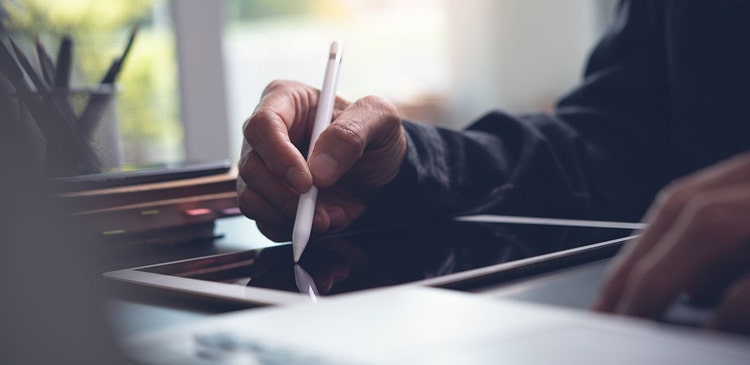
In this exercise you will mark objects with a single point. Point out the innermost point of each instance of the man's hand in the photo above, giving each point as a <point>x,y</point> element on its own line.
<point>359,153</point>
<point>697,242</point>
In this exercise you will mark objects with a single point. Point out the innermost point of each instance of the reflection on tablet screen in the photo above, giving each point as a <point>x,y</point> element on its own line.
<point>364,260</point>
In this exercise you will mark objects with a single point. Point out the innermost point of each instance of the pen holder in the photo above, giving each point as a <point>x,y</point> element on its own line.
<point>72,132</point>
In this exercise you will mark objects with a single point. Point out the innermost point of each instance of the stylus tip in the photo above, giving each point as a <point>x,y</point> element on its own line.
<point>297,252</point>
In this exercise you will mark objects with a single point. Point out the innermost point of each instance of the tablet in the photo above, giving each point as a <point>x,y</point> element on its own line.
<point>447,253</point>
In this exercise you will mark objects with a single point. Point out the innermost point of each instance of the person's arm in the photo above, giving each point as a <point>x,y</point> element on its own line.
<point>601,154</point>
<point>598,156</point>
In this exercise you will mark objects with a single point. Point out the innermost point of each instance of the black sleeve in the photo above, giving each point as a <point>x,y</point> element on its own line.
<point>599,155</point>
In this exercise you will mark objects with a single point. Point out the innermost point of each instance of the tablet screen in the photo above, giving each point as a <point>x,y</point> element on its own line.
<point>388,256</point>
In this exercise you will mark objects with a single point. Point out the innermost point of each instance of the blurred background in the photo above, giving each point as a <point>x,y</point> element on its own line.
<point>197,68</point>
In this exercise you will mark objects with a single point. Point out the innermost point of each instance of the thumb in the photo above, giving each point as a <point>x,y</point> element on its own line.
<point>343,143</point>
<point>338,148</point>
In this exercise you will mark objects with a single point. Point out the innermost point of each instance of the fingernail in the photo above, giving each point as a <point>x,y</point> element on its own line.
<point>297,179</point>
<point>324,166</point>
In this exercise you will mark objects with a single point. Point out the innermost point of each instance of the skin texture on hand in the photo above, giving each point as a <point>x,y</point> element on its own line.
<point>358,154</point>
<point>697,242</point>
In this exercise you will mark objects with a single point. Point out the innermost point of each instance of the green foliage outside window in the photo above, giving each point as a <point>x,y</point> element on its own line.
<point>259,9</point>
<point>147,102</point>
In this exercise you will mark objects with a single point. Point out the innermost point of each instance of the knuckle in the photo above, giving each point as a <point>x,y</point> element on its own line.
<point>743,161</point>
<point>674,196</point>
<point>245,152</point>
<point>283,89</point>
<point>264,137</point>
<point>381,106</point>
<point>240,185</point>
<point>374,101</point>
<point>258,124</point>
<point>245,124</point>
<point>714,221</point>
<point>349,137</point>
<point>387,128</point>
<point>276,85</point>
<point>707,211</point>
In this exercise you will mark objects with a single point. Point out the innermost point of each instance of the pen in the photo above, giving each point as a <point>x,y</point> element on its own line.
<point>64,63</point>
<point>116,66</point>
<point>305,283</point>
<point>45,62</point>
<point>323,114</point>
<point>92,113</point>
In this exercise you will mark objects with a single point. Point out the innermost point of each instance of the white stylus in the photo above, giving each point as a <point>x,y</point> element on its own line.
<point>323,115</point>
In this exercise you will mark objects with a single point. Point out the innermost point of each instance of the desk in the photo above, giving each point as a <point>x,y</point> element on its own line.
<point>573,287</point>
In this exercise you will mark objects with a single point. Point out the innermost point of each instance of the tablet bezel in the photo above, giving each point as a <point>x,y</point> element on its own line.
<point>465,281</point>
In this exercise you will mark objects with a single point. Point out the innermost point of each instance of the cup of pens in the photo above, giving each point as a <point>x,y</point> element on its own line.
<point>70,131</point>
<point>84,139</point>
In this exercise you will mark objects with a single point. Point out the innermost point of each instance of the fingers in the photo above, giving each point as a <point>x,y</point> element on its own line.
<point>274,233</point>
<point>365,143</point>
<point>272,203</point>
<point>662,216</point>
<point>711,227</point>
<point>622,265</point>
<point>255,207</point>
<point>281,116</point>
<point>272,171</point>
<point>276,223</point>
<point>272,188</point>
<point>732,313</point>
<point>368,124</point>
<point>707,290</point>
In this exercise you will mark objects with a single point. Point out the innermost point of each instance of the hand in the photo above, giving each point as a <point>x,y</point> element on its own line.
<point>697,242</point>
<point>359,153</point>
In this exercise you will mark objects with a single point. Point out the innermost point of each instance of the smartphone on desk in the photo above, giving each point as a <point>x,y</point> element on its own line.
<point>142,174</point>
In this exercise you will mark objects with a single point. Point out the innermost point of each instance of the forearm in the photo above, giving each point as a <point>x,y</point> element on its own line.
<point>536,165</point>
<point>602,154</point>
<point>501,164</point>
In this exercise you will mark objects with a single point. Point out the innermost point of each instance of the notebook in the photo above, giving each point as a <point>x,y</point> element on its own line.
<point>420,325</point>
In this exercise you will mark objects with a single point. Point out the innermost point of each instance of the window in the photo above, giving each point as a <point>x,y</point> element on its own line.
<point>440,61</point>
<point>396,49</point>
<point>147,106</point>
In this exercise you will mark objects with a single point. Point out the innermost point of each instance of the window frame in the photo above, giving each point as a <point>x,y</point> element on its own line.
<point>198,27</point>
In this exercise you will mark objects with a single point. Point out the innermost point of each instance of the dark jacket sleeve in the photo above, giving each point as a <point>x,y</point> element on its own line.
<point>598,155</point>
